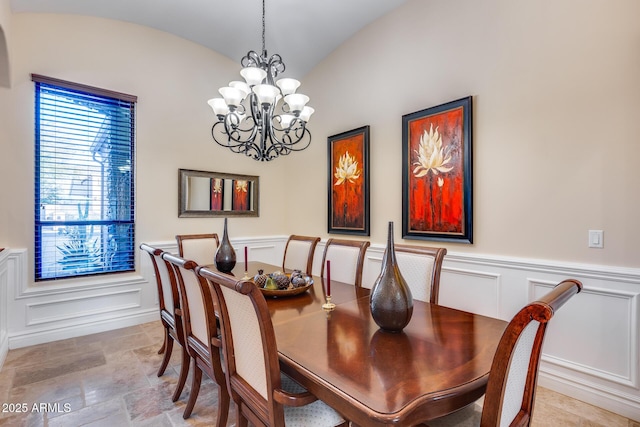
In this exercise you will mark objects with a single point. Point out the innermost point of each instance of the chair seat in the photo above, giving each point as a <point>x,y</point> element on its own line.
<point>469,416</point>
<point>316,414</point>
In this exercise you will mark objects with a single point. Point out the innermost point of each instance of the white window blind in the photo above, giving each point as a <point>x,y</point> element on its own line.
<point>84,180</point>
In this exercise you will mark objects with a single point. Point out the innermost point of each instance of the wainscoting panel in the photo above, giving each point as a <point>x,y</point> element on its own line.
<point>51,311</point>
<point>470,290</point>
<point>78,307</point>
<point>592,349</point>
<point>595,319</point>
<point>4,302</point>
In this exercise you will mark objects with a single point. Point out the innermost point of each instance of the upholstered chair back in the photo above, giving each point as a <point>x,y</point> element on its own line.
<point>263,395</point>
<point>200,248</point>
<point>347,260</point>
<point>298,254</point>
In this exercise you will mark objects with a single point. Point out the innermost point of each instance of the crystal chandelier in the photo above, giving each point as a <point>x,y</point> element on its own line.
<point>261,117</point>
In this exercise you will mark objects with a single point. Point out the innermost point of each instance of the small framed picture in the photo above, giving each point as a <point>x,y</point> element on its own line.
<point>241,200</point>
<point>217,194</point>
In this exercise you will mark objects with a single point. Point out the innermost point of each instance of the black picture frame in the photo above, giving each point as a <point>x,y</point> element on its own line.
<point>348,184</point>
<point>437,173</point>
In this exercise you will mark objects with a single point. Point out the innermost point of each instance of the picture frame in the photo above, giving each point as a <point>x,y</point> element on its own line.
<point>348,182</point>
<point>241,195</point>
<point>437,197</point>
<point>216,202</point>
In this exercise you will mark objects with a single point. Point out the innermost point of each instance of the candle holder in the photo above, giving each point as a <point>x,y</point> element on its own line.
<point>328,306</point>
<point>246,276</point>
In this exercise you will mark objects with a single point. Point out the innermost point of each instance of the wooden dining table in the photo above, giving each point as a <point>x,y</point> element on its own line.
<point>439,363</point>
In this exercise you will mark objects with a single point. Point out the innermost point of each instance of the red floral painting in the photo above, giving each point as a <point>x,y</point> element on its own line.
<point>217,194</point>
<point>349,182</point>
<point>437,172</point>
<point>241,195</point>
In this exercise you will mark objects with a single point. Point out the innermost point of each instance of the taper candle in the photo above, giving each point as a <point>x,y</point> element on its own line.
<point>328,277</point>
<point>246,266</point>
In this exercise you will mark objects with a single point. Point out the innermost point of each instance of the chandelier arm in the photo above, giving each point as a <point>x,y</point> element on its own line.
<point>251,59</point>
<point>256,112</point>
<point>289,140</point>
<point>233,139</point>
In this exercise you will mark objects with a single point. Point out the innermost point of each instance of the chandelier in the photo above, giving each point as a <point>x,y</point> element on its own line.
<point>261,117</point>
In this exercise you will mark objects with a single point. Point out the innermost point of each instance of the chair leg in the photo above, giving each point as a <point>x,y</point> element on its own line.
<point>223,393</point>
<point>241,420</point>
<point>164,343</point>
<point>223,406</point>
<point>182,378</point>
<point>195,389</point>
<point>168,348</point>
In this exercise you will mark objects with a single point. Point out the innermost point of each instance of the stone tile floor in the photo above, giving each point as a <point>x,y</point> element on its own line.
<point>109,379</point>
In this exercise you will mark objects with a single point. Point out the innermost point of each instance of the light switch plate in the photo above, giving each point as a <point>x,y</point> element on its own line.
<point>596,239</point>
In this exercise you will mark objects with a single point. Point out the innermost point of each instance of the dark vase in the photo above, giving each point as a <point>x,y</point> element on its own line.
<point>225,255</point>
<point>390,301</point>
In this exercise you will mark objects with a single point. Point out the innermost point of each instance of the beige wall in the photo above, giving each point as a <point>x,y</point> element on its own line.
<point>173,79</point>
<point>556,119</point>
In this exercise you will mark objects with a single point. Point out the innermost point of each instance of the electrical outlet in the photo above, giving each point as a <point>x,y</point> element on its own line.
<point>596,239</point>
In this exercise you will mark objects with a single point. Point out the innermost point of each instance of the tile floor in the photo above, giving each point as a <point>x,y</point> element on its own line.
<point>109,379</point>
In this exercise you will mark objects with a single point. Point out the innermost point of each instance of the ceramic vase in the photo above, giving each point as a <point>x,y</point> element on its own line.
<point>390,300</point>
<point>225,255</point>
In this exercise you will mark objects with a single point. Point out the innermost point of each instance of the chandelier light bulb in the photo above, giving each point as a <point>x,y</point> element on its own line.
<point>288,85</point>
<point>296,101</point>
<point>266,93</point>
<point>219,106</point>
<point>253,75</point>
<point>241,86</point>
<point>285,120</point>
<point>306,113</point>
<point>233,97</point>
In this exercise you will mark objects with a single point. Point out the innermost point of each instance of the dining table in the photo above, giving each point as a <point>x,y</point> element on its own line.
<point>437,364</point>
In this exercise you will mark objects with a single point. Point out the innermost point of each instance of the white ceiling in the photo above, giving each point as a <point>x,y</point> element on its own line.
<point>303,32</point>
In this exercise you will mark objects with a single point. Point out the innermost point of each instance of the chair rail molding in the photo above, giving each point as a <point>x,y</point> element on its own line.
<point>591,352</point>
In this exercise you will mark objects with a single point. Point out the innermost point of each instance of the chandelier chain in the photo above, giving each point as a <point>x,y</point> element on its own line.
<point>264,48</point>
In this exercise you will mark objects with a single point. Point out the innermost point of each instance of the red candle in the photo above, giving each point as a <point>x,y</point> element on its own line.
<point>246,267</point>
<point>328,278</point>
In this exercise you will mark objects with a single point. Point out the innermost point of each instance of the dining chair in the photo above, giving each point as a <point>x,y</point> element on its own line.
<point>200,248</point>
<point>263,395</point>
<point>347,260</point>
<point>169,304</point>
<point>298,253</point>
<point>201,334</point>
<point>513,377</point>
<point>421,267</point>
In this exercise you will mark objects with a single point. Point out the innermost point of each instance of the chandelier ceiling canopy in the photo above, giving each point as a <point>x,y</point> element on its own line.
<point>262,117</point>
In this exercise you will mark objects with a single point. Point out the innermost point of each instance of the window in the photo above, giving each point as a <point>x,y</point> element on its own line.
<point>84,180</point>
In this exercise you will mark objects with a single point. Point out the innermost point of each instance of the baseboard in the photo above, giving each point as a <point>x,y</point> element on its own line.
<point>41,336</point>
<point>616,401</point>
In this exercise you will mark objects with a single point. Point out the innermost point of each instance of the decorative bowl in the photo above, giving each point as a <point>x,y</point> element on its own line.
<point>290,291</point>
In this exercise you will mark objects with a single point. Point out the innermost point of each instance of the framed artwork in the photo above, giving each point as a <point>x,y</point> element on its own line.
<point>241,199</point>
<point>437,173</point>
<point>348,183</point>
<point>217,194</point>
